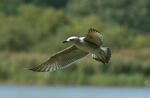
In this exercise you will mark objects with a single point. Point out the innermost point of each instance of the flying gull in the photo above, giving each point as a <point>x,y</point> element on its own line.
<point>81,47</point>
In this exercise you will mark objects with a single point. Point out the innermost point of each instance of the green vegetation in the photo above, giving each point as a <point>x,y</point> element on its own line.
<point>28,28</point>
<point>127,68</point>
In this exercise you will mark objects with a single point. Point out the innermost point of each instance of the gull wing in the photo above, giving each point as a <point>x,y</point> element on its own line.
<point>61,60</point>
<point>94,37</point>
<point>104,56</point>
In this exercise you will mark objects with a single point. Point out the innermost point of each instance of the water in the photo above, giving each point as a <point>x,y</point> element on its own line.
<point>72,92</point>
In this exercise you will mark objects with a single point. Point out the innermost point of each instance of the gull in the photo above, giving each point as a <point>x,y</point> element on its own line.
<point>81,47</point>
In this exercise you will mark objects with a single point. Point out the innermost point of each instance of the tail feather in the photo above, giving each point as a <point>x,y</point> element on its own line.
<point>103,56</point>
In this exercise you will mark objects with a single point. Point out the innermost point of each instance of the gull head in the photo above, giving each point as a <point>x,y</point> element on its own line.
<point>72,39</point>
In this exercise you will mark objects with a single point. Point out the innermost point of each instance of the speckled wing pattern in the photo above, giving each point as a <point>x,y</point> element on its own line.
<point>95,37</point>
<point>61,60</point>
<point>105,57</point>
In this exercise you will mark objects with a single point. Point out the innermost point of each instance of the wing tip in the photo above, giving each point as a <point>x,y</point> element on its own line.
<point>92,30</point>
<point>109,54</point>
<point>39,69</point>
<point>33,69</point>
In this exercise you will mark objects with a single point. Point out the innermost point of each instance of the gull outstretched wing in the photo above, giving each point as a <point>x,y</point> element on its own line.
<point>61,59</point>
<point>94,37</point>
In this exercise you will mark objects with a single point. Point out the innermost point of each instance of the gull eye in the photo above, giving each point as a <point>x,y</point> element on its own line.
<point>71,39</point>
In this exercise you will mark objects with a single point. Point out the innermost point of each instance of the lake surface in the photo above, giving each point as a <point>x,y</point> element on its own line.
<point>71,92</point>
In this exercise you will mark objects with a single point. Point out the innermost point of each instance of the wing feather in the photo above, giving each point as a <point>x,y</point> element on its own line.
<point>94,37</point>
<point>61,60</point>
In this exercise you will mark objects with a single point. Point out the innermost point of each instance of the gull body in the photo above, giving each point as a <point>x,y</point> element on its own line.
<point>89,47</point>
<point>82,44</point>
<point>81,47</point>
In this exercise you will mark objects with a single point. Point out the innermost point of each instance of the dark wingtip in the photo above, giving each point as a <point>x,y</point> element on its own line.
<point>108,57</point>
<point>32,69</point>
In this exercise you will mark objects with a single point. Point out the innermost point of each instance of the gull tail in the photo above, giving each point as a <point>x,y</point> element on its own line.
<point>104,56</point>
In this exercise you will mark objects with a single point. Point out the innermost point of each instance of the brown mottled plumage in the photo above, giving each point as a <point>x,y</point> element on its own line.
<point>81,47</point>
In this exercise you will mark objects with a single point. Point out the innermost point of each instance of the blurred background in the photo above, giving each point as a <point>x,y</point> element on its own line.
<point>32,30</point>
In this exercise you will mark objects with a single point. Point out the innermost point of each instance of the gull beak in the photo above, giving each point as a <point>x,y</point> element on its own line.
<point>65,41</point>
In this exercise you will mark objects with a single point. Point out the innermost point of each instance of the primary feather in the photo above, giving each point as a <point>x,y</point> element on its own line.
<point>61,59</point>
<point>94,37</point>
